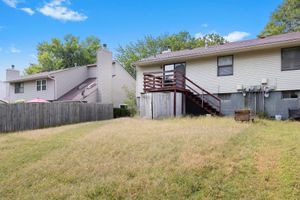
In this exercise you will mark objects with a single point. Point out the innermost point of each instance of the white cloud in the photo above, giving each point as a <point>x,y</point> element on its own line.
<point>11,3</point>
<point>204,25</point>
<point>28,10</point>
<point>236,36</point>
<point>13,49</point>
<point>57,10</point>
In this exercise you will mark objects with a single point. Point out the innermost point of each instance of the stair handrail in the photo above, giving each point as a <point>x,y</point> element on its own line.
<point>202,90</point>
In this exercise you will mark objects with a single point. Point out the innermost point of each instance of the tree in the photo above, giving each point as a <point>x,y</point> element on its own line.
<point>286,18</point>
<point>60,55</point>
<point>150,46</point>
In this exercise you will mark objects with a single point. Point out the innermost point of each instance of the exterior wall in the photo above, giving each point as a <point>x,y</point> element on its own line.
<point>92,72</point>
<point>104,74</point>
<point>2,90</point>
<point>68,79</point>
<point>249,69</point>
<point>160,105</point>
<point>122,82</point>
<point>140,77</point>
<point>273,105</point>
<point>30,92</point>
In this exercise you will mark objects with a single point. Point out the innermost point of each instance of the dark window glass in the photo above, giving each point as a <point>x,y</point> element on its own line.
<point>290,59</point>
<point>290,94</point>
<point>19,88</point>
<point>225,66</point>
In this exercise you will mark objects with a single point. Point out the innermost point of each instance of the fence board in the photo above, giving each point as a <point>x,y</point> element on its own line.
<point>19,117</point>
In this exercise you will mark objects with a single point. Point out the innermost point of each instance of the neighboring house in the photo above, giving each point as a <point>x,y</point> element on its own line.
<point>103,82</point>
<point>2,90</point>
<point>260,74</point>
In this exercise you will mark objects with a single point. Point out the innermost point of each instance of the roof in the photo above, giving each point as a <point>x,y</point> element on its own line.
<point>247,45</point>
<point>44,74</point>
<point>80,91</point>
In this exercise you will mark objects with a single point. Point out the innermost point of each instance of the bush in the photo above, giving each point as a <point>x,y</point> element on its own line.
<point>121,112</point>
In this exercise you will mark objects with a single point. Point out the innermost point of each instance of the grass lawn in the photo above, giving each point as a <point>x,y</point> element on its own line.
<point>188,158</point>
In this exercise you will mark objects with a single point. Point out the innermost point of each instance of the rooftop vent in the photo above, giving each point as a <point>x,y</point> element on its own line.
<point>105,46</point>
<point>12,66</point>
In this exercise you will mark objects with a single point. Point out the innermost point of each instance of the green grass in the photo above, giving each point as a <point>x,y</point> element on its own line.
<point>187,158</point>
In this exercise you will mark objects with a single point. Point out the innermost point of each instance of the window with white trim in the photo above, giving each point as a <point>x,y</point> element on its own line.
<point>225,65</point>
<point>41,85</point>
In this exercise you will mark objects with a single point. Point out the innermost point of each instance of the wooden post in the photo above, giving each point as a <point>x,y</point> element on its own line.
<point>174,103</point>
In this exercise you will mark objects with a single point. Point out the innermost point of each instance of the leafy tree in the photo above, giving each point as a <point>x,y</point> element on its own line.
<point>150,46</point>
<point>286,18</point>
<point>64,54</point>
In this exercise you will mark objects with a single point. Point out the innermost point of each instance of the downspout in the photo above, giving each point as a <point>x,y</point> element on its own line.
<point>54,92</point>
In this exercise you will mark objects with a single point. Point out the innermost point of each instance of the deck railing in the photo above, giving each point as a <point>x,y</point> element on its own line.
<point>176,81</point>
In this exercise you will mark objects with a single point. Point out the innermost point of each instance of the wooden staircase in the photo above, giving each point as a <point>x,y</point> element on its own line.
<point>202,103</point>
<point>176,81</point>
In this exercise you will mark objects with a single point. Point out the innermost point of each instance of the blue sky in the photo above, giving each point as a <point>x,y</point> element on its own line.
<point>25,23</point>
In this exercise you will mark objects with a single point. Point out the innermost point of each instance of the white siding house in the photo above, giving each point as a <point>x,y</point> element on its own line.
<point>102,82</point>
<point>256,73</point>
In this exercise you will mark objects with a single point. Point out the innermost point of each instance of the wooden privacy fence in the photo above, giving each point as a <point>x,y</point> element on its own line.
<point>28,116</point>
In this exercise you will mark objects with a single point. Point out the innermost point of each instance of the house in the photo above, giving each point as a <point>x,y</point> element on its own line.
<point>261,74</point>
<point>2,90</point>
<point>105,82</point>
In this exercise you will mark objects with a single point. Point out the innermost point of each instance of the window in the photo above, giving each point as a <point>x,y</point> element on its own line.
<point>225,66</point>
<point>225,97</point>
<point>180,67</point>
<point>290,59</point>
<point>19,88</point>
<point>290,94</point>
<point>41,85</point>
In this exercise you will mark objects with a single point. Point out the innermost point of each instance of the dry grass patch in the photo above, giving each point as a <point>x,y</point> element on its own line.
<point>187,158</point>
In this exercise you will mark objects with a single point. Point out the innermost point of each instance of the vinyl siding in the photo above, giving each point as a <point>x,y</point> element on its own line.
<point>248,70</point>
<point>30,92</point>
<point>121,81</point>
<point>69,79</point>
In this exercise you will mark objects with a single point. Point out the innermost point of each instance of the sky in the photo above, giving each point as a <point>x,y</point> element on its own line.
<point>26,23</point>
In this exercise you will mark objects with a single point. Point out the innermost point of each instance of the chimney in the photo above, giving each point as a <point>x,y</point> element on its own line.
<point>104,75</point>
<point>12,73</point>
<point>105,46</point>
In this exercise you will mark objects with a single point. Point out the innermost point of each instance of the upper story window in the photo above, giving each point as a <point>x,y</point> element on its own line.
<point>290,94</point>
<point>290,58</point>
<point>225,66</point>
<point>41,85</point>
<point>19,88</point>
